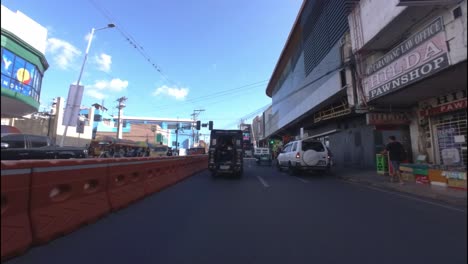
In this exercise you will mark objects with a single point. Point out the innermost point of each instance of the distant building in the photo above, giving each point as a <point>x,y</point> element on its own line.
<point>23,64</point>
<point>258,131</point>
<point>139,128</point>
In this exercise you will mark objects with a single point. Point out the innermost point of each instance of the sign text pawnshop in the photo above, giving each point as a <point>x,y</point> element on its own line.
<point>410,64</point>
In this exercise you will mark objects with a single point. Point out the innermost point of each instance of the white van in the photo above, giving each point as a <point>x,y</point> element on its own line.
<point>262,155</point>
<point>304,155</point>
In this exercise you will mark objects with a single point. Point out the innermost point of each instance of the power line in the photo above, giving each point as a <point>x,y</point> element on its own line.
<point>207,99</point>
<point>217,94</point>
<point>131,40</point>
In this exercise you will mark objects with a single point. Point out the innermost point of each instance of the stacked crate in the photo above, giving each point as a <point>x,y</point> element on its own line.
<point>436,178</point>
<point>381,164</point>
<point>421,173</point>
<point>456,179</point>
<point>406,170</point>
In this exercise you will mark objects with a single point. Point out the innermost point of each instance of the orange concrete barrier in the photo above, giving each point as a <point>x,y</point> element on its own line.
<point>126,180</point>
<point>15,222</point>
<point>66,194</point>
<point>158,175</point>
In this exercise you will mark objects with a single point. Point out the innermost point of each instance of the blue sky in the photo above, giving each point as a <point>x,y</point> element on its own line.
<point>202,48</point>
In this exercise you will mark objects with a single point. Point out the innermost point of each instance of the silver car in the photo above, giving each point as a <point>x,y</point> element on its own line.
<point>305,155</point>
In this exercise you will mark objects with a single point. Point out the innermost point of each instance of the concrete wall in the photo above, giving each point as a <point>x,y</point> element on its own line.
<point>371,23</point>
<point>353,143</point>
<point>25,28</point>
<point>455,30</point>
<point>38,126</point>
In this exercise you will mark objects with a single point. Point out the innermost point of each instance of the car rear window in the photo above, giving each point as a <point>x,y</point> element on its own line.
<point>313,145</point>
<point>14,141</point>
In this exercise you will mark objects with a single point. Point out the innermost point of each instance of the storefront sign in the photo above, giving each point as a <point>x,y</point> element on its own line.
<point>388,118</point>
<point>18,74</point>
<point>449,107</point>
<point>422,55</point>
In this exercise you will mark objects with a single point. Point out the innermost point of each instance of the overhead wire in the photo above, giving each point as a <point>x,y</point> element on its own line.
<point>217,95</point>
<point>132,41</point>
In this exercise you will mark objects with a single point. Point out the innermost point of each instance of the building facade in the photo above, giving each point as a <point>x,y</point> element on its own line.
<point>23,43</point>
<point>258,131</point>
<point>312,87</point>
<point>411,74</point>
<point>351,78</point>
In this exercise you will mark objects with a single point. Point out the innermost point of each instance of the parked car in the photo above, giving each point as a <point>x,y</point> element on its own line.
<point>26,146</point>
<point>6,129</point>
<point>262,155</point>
<point>196,151</point>
<point>159,150</point>
<point>305,155</point>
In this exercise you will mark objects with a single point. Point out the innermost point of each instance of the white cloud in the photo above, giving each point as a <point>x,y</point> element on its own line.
<point>114,85</point>
<point>95,94</point>
<point>101,89</point>
<point>177,93</point>
<point>104,62</point>
<point>63,53</point>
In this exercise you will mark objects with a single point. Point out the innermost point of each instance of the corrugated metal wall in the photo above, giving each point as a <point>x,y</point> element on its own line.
<point>323,23</point>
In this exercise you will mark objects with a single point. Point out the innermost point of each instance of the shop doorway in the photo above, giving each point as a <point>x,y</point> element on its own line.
<point>401,133</point>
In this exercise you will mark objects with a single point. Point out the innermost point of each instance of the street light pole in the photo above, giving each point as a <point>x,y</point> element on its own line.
<point>79,79</point>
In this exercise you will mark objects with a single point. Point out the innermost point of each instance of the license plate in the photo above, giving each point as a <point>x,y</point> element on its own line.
<point>264,158</point>
<point>224,167</point>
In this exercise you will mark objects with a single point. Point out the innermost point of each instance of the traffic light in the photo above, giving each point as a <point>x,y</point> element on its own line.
<point>210,125</point>
<point>198,124</point>
<point>272,142</point>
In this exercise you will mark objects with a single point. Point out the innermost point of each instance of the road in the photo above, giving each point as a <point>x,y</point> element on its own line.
<point>266,217</point>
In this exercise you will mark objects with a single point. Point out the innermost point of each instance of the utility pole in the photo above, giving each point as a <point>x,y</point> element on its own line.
<point>177,138</point>
<point>195,115</point>
<point>120,106</point>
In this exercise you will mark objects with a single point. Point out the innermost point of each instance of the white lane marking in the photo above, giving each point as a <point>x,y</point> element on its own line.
<point>302,180</point>
<point>263,181</point>
<point>410,197</point>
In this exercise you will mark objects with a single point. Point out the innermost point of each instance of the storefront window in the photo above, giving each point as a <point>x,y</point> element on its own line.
<point>19,75</point>
<point>451,138</point>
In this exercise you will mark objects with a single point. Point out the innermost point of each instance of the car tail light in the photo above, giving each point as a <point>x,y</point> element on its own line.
<point>298,155</point>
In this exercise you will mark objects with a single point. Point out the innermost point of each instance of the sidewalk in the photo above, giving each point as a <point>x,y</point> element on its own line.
<point>451,196</point>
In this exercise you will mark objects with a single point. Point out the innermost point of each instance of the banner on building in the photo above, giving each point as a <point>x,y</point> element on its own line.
<point>420,56</point>
<point>72,108</point>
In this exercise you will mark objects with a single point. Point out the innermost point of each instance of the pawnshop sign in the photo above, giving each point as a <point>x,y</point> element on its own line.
<point>420,56</point>
<point>445,108</point>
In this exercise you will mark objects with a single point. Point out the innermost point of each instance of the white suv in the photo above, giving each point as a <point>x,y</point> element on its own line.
<point>305,154</point>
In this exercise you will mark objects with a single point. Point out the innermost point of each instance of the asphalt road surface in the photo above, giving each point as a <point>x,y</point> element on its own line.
<point>267,217</point>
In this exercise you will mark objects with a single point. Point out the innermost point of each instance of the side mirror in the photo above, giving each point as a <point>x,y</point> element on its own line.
<point>5,145</point>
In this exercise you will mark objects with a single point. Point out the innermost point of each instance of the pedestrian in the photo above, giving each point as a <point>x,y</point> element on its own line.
<point>396,153</point>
